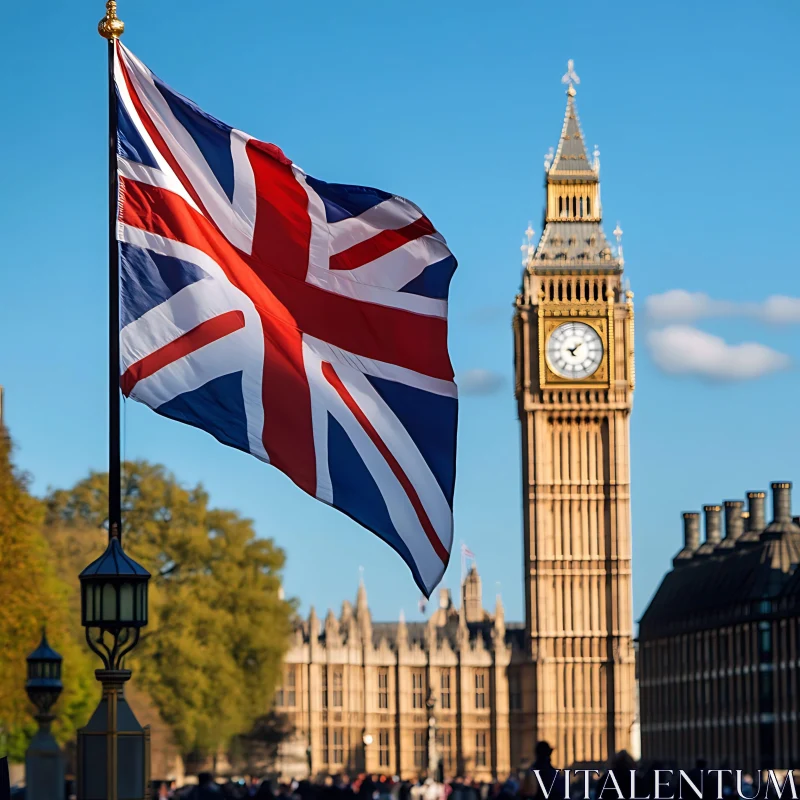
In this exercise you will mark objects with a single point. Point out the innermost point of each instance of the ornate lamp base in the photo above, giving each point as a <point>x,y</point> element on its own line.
<point>113,748</point>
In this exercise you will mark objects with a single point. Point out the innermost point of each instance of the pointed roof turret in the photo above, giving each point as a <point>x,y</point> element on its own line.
<point>332,636</point>
<point>402,631</point>
<point>571,159</point>
<point>499,620</point>
<point>313,626</point>
<point>361,598</point>
<point>362,612</point>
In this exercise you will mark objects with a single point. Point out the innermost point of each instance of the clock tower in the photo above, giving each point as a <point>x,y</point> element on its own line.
<point>573,330</point>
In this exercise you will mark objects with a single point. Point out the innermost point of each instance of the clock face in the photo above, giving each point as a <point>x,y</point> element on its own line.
<point>574,350</point>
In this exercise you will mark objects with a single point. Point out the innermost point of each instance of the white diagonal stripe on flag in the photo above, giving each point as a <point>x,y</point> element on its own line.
<point>390,215</point>
<point>400,266</point>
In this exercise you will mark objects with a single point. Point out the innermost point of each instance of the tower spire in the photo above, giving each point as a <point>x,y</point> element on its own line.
<point>573,236</point>
<point>571,158</point>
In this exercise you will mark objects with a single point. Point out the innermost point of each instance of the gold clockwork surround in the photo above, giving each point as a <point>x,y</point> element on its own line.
<point>548,322</point>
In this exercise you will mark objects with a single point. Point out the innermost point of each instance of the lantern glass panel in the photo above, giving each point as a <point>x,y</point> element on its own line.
<point>98,602</point>
<point>109,607</point>
<point>141,602</point>
<point>88,602</point>
<point>126,602</point>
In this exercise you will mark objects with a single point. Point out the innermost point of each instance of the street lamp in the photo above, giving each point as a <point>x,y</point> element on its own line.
<point>113,604</point>
<point>44,764</point>
<point>44,679</point>
<point>113,748</point>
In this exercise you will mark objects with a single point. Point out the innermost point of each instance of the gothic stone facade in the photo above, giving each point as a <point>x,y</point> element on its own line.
<point>567,674</point>
<point>719,644</point>
<point>357,692</point>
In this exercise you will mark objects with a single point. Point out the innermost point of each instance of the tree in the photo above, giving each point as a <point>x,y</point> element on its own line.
<point>211,655</point>
<point>31,597</point>
<point>258,748</point>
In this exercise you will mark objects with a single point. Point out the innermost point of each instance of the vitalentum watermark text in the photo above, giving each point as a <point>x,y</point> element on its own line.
<point>668,784</point>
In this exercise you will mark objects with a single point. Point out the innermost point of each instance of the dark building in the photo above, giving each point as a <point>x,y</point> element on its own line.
<point>719,644</point>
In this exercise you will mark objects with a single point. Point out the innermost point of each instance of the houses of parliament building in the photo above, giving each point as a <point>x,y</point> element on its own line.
<point>467,693</point>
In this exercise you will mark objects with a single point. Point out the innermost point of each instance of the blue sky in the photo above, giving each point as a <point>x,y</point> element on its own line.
<point>452,104</point>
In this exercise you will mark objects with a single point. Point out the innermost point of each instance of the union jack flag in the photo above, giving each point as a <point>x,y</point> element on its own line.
<point>301,321</point>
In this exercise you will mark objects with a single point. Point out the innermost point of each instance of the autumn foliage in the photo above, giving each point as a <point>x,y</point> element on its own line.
<point>211,655</point>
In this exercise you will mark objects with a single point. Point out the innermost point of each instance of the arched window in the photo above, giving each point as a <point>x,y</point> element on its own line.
<point>588,207</point>
<point>560,205</point>
<point>581,207</point>
<point>574,206</point>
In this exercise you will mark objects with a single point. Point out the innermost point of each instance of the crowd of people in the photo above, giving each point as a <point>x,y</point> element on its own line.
<point>542,780</point>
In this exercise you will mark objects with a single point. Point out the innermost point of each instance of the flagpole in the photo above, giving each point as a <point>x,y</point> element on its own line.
<point>111,28</point>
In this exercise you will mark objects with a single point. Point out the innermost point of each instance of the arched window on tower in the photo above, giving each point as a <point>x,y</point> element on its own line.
<point>560,205</point>
<point>574,206</point>
<point>588,207</point>
<point>581,207</point>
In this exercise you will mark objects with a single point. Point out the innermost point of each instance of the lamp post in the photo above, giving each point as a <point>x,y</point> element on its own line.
<point>366,740</point>
<point>44,763</point>
<point>113,749</point>
<point>430,704</point>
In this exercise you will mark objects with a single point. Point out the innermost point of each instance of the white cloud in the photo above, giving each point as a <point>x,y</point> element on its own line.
<point>479,381</point>
<point>678,305</point>
<point>781,309</point>
<point>684,350</point>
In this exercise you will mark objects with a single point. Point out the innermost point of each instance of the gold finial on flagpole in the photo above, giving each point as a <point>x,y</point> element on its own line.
<point>110,27</point>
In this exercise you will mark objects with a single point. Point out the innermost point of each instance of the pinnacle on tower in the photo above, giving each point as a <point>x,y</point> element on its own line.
<point>361,597</point>
<point>313,625</point>
<point>571,158</point>
<point>471,596</point>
